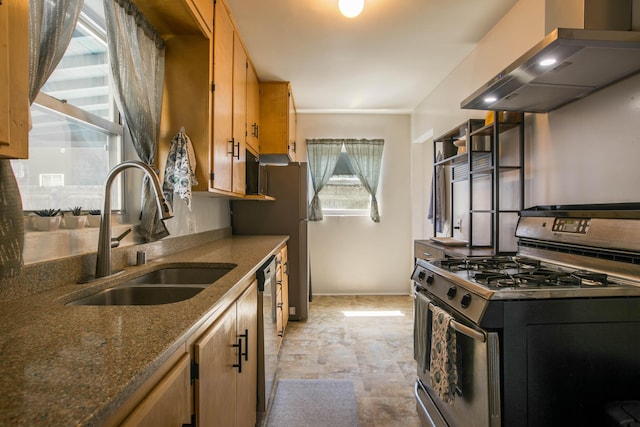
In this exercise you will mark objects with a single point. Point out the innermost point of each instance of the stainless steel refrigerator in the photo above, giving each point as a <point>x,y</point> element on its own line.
<point>286,215</point>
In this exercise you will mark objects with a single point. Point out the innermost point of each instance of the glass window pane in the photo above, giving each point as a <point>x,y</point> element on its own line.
<point>344,194</point>
<point>67,166</point>
<point>82,76</point>
<point>75,139</point>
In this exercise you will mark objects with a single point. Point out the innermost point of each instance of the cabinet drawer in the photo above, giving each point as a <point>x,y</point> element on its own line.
<point>423,250</point>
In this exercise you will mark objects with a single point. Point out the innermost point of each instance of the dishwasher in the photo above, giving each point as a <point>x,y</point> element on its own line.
<point>267,333</point>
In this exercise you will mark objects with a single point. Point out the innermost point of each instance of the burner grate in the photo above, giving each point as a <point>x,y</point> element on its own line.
<point>541,277</point>
<point>521,272</point>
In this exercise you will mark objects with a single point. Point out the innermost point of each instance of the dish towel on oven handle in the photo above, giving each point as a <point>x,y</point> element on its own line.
<point>180,170</point>
<point>442,369</point>
<point>421,343</point>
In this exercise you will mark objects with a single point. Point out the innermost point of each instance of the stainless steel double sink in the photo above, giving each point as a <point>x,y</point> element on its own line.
<point>162,286</point>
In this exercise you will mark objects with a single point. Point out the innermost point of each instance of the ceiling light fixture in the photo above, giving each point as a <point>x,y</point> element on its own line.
<point>351,8</point>
<point>547,62</point>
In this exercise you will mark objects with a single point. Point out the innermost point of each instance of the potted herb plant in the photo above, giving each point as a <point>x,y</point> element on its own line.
<point>47,219</point>
<point>93,219</point>
<point>76,219</point>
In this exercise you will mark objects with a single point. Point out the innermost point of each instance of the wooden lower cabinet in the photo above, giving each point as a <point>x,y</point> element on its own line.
<point>247,385</point>
<point>169,402</point>
<point>282,293</point>
<point>226,356</point>
<point>210,381</point>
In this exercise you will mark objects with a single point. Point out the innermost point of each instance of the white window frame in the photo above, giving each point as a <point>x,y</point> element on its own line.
<point>113,129</point>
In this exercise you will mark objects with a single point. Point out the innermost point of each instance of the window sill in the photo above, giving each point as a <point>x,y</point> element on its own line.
<point>346,212</point>
<point>42,246</point>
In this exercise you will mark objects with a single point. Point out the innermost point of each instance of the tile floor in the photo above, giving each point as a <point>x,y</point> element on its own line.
<point>370,348</point>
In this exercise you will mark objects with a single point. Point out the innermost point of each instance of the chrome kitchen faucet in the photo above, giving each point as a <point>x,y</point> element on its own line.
<point>103,261</point>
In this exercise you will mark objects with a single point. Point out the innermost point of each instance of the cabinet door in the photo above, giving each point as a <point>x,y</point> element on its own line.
<point>274,118</point>
<point>215,388</point>
<point>285,289</point>
<point>14,79</point>
<point>239,116</point>
<point>222,99</point>
<point>253,110</point>
<point>169,403</point>
<point>247,386</point>
<point>203,13</point>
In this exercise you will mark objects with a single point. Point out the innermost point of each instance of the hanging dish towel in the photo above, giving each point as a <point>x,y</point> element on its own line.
<point>180,171</point>
<point>421,343</point>
<point>442,369</point>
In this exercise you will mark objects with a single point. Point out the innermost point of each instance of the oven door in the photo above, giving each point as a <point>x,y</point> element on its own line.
<point>477,392</point>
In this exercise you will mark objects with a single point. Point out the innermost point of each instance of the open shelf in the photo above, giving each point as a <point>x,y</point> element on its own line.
<point>480,166</point>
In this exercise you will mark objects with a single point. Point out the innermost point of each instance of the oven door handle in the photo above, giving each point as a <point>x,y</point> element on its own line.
<point>464,330</point>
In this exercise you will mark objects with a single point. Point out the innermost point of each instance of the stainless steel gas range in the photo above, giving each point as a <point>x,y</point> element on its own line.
<point>544,338</point>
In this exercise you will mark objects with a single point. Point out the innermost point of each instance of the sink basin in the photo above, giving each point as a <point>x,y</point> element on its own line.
<point>162,286</point>
<point>140,295</point>
<point>200,275</point>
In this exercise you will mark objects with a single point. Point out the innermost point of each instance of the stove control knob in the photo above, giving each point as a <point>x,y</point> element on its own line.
<point>430,280</point>
<point>451,293</point>
<point>465,301</point>
<point>421,275</point>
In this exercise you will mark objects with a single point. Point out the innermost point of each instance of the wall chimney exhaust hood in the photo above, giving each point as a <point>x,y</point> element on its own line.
<point>568,64</point>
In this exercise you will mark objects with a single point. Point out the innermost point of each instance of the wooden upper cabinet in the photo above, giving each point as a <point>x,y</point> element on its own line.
<point>253,111</point>
<point>14,79</point>
<point>277,120</point>
<point>223,68</point>
<point>179,17</point>
<point>203,13</point>
<point>239,116</point>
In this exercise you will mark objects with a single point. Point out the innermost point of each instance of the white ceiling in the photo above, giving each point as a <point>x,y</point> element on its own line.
<point>387,59</point>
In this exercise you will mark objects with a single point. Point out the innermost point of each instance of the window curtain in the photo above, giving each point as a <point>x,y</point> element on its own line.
<point>137,64</point>
<point>365,156</point>
<point>323,155</point>
<point>51,26</point>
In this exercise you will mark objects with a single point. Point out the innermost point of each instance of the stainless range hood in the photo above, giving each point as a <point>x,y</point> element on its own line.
<point>585,61</point>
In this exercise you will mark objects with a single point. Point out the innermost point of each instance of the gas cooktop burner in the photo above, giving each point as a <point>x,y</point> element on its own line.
<point>541,278</point>
<point>521,272</point>
<point>492,263</point>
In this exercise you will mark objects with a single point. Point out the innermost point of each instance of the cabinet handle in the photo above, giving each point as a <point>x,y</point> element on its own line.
<point>233,143</point>
<point>193,422</point>
<point>246,344</point>
<point>239,347</point>
<point>255,130</point>
<point>280,305</point>
<point>237,146</point>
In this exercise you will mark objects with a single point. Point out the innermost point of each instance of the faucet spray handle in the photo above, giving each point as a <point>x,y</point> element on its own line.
<point>115,241</point>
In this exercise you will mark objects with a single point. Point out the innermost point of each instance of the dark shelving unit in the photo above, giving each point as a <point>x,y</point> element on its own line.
<point>483,159</point>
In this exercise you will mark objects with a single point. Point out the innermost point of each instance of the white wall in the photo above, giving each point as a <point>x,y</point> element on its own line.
<point>585,152</point>
<point>354,255</point>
